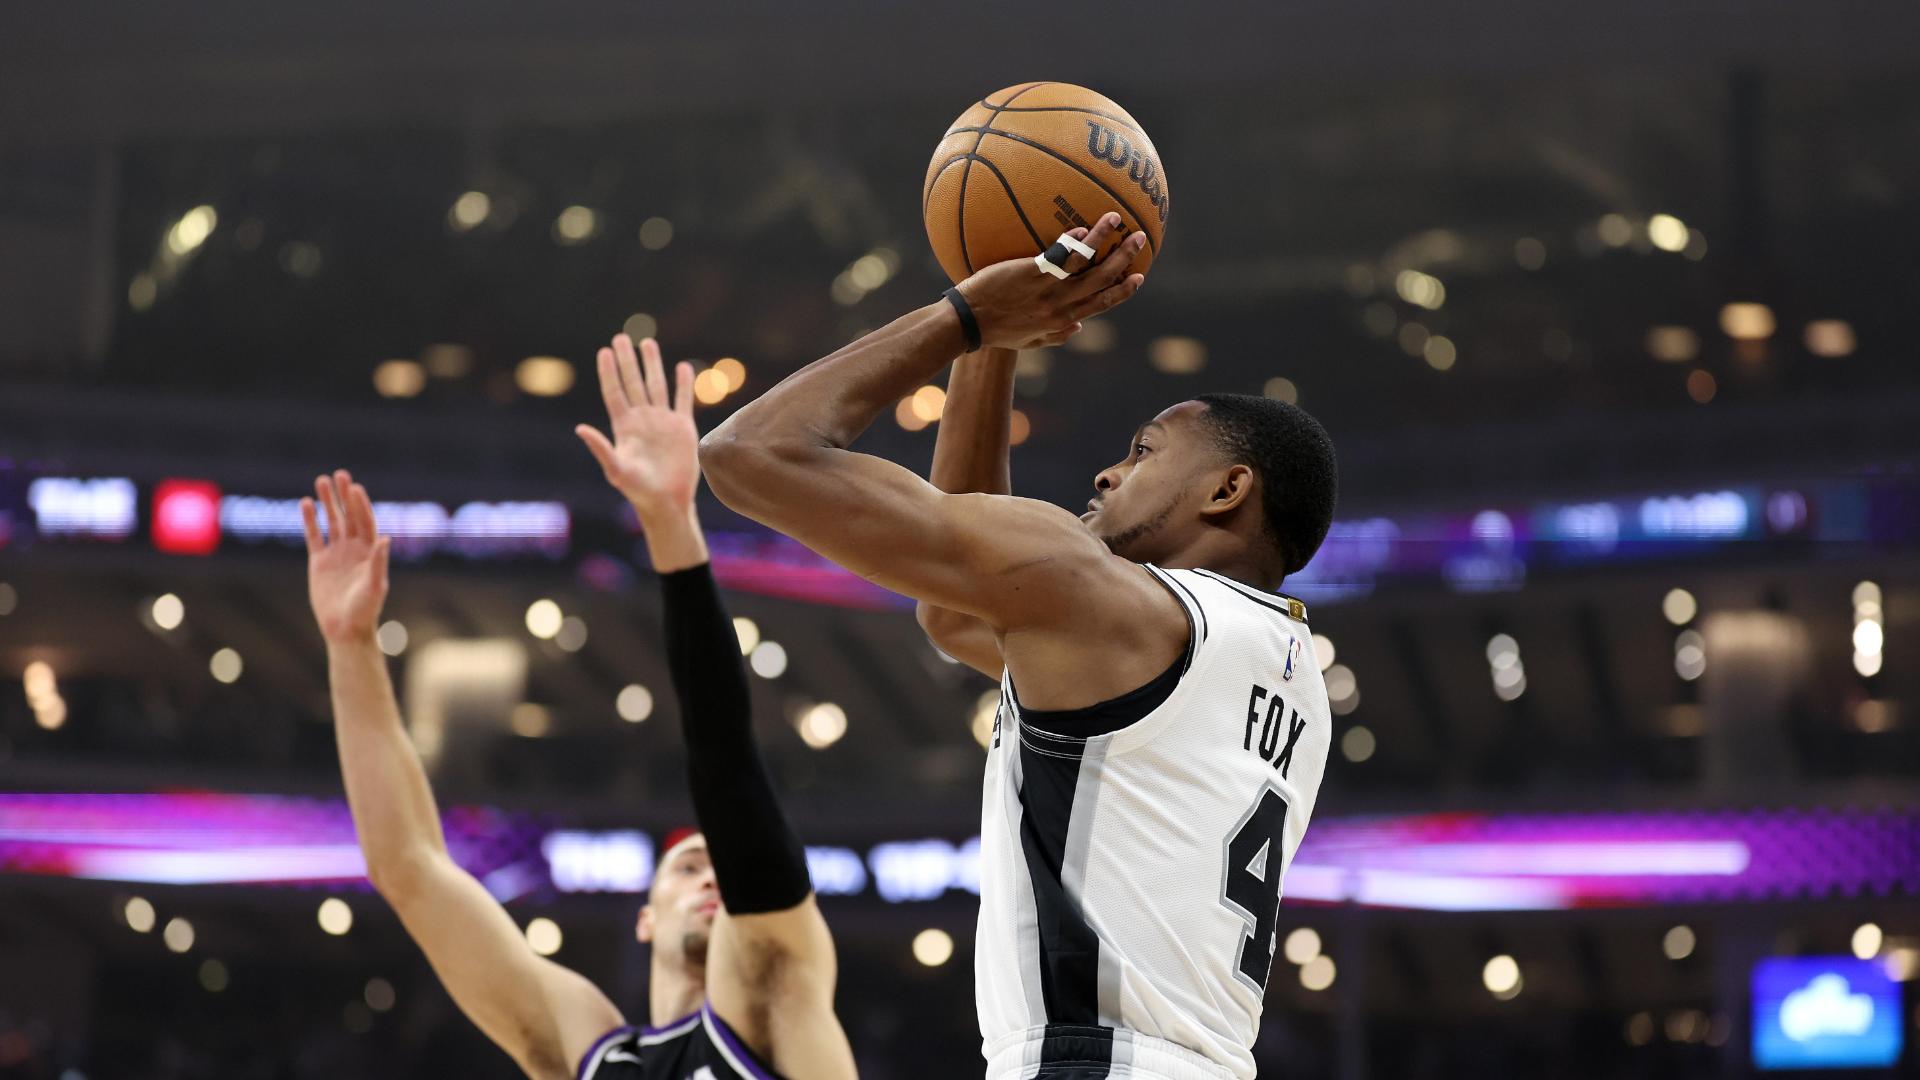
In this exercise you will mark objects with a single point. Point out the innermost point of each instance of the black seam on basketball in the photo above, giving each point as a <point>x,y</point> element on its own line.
<point>926,197</point>
<point>1138,221</point>
<point>960,219</point>
<point>1121,120</point>
<point>1015,200</point>
<point>1016,94</point>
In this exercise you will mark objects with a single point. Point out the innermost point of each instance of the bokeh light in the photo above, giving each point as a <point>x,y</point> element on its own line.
<point>933,947</point>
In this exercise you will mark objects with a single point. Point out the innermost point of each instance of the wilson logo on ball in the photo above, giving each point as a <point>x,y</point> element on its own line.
<point>1113,148</point>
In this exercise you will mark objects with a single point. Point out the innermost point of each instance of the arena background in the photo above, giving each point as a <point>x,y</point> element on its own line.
<point>1611,309</point>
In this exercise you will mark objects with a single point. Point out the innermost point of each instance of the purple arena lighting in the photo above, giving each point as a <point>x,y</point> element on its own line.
<point>1441,862</point>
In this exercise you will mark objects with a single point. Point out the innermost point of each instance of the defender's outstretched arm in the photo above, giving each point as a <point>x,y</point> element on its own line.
<point>771,966</point>
<point>541,1014</point>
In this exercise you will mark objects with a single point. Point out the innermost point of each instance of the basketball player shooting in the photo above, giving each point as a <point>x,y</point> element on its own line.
<point>1163,728</point>
<point>740,992</point>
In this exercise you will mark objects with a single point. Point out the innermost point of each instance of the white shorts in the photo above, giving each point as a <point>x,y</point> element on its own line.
<point>1018,1055</point>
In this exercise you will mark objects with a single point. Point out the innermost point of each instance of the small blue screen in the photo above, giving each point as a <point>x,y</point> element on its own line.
<point>1824,1012</point>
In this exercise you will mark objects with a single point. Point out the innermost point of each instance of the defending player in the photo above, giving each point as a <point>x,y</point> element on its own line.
<point>744,991</point>
<point>1163,728</point>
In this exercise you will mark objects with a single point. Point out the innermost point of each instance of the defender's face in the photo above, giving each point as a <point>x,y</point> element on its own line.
<point>683,902</point>
<point>1148,503</point>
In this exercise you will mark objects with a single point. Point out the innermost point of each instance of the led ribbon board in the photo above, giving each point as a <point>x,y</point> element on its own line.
<point>1489,549</point>
<point>1436,862</point>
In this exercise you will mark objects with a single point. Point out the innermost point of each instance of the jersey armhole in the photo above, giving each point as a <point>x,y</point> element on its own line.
<point>739,1056</point>
<point>1118,714</point>
<point>1189,606</point>
<point>590,1061</point>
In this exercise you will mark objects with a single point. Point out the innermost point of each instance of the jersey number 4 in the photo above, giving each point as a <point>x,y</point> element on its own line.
<point>1251,888</point>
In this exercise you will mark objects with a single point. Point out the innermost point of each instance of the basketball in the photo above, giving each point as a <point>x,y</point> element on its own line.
<point>1028,163</point>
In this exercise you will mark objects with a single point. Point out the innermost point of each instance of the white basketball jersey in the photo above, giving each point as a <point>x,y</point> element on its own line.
<point>1130,880</point>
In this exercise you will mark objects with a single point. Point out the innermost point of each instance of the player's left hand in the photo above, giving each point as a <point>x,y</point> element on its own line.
<point>653,458</point>
<point>1018,306</point>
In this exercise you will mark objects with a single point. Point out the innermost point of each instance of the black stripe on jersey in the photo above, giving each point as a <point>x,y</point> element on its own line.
<point>1258,597</point>
<point>1069,949</point>
<point>1075,1052</point>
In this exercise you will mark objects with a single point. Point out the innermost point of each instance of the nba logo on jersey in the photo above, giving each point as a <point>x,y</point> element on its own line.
<point>704,1072</point>
<point>1293,654</point>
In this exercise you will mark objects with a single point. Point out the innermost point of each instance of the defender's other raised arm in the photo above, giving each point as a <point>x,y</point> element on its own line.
<point>541,1014</point>
<point>771,967</point>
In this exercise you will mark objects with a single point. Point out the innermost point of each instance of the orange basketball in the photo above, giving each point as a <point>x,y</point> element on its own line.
<point>1032,161</point>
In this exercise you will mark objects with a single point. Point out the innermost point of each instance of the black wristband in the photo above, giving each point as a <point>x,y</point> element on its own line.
<point>969,325</point>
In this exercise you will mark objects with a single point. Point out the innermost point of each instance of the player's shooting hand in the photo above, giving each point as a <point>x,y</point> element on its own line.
<point>347,568</point>
<point>654,456</point>
<point>1019,306</point>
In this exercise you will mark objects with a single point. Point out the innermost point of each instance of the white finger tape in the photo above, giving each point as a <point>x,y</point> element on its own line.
<point>1046,266</point>
<point>1075,246</point>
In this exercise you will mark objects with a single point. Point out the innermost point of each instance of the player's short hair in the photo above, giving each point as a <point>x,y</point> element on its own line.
<point>1293,457</point>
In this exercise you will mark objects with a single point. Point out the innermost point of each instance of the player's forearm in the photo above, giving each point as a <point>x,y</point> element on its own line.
<point>393,808</point>
<point>826,404</point>
<point>757,860</point>
<point>970,449</point>
<point>674,542</point>
<point>970,455</point>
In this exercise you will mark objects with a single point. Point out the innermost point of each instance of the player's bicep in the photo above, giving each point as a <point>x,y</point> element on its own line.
<point>764,967</point>
<point>744,945</point>
<point>582,1012</point>
<point>541,1014</point>
<point>1003,559</point>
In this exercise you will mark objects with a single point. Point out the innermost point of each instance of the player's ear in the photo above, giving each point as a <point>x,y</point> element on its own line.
<point>643,928</point>
<point>1232,488</point>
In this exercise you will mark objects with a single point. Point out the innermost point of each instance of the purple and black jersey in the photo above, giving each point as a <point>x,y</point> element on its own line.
<point>698,1046</point>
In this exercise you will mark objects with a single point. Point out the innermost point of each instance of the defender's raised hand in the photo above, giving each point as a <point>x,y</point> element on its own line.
<point>346,569</point>
<point>1018,306</point>
<point>653,458</point>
